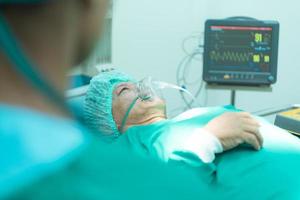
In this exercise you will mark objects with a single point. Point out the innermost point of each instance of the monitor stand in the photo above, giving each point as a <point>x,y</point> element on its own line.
<point>233,89</point>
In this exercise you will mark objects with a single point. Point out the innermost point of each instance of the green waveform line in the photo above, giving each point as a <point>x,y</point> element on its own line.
<point>230,56</point>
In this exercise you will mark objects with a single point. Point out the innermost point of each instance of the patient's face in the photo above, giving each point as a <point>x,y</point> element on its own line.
<point>124,94</point>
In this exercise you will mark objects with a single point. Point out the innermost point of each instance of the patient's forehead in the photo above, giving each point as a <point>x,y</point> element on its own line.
<point>124,84</point>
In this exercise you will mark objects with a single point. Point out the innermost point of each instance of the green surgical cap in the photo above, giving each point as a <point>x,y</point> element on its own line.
<point>98,102</point>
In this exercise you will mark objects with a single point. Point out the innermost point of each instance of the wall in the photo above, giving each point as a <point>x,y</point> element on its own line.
<point>147,37</point>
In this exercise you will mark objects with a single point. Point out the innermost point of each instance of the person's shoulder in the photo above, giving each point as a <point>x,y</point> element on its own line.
<point>142,135</point>
<point>14,119</point>
<point>33,131</point>
<point>34,144</point>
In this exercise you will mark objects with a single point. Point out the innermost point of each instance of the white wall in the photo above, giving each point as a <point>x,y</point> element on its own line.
<point>147,36</point>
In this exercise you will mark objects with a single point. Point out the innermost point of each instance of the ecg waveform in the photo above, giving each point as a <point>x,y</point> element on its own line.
<point>230,56</point>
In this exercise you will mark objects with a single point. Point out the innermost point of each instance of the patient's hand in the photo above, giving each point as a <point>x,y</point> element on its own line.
<point>233,129</point>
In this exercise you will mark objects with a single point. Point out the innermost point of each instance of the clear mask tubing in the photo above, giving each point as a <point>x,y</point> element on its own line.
<point>147,90</point>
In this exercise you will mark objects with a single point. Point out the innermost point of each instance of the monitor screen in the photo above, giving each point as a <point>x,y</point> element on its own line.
<point>240,48</point>
<point>240,52</point>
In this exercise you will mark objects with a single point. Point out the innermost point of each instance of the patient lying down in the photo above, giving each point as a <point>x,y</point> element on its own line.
<point>199,139</point>
<point>113,108</point>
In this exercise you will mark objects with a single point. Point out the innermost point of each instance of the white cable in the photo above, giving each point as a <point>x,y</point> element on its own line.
<point>181,79</point>
<point>184,67</point>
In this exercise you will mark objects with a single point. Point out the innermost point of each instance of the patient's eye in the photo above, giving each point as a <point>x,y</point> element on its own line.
<point>124,88</point>
<point>121,90</point>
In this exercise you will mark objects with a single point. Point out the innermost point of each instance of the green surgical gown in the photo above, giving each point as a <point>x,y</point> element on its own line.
<point>58,160</point>
<point>272,173</point>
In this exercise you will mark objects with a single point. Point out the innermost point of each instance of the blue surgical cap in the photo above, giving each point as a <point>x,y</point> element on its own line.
<point>98,114</point>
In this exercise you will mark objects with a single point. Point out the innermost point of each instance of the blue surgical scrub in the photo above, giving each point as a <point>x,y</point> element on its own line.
<point>33,144</point>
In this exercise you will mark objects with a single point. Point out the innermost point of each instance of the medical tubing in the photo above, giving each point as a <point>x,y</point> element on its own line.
<point>127,114</point>
<point>9,45</point>
<point>183,64</point>
<point>164,85</point>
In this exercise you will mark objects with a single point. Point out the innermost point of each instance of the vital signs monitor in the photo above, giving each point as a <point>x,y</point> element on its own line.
<point>240,51</point>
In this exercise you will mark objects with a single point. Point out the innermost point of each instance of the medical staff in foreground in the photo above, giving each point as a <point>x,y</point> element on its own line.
<point>45,152</point>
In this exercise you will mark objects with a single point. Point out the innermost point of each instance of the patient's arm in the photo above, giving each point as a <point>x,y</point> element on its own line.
<point>202,144</point>
<point>198,138</point>
<point>220,134</point>
<point>233,129</point>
